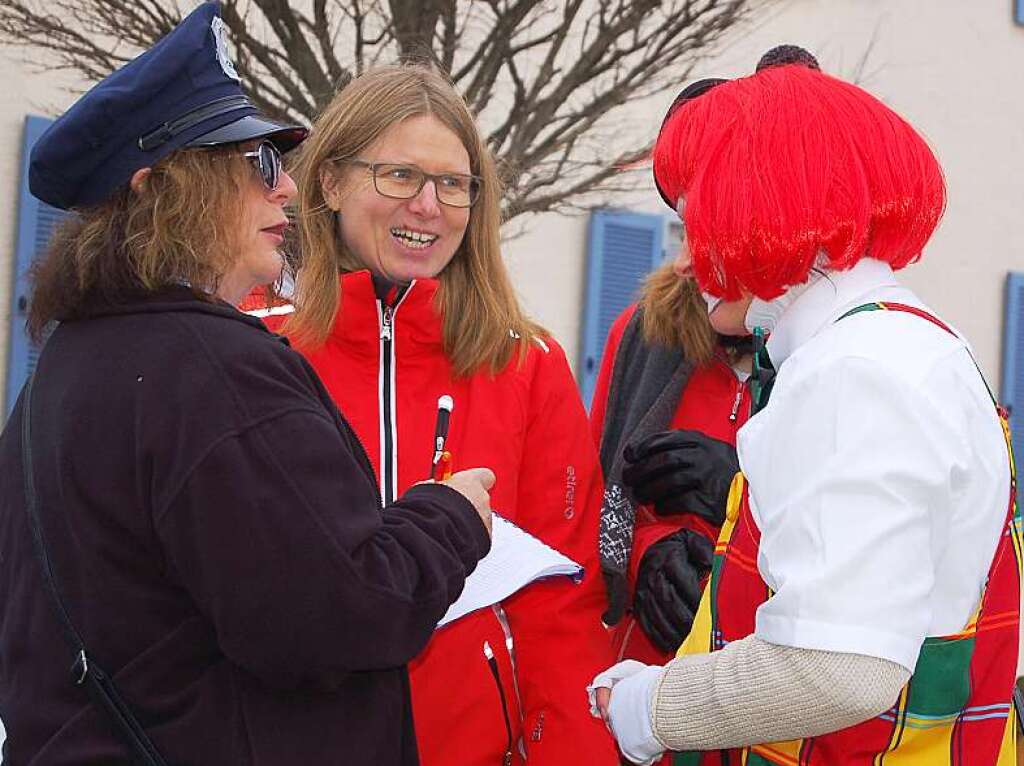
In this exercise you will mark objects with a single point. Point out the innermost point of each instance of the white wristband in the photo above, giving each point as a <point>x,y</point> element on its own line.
<point>633,685</point>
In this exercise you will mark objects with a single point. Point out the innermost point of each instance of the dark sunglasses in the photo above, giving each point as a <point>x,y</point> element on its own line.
<point>266,158</point>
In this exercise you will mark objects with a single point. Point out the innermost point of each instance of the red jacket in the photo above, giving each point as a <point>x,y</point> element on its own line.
<point>527,424</point>
<point>715,402</point>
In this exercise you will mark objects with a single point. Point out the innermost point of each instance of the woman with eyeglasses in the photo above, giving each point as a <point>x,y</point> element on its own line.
<point>174,586</point>
<point>405,309</point>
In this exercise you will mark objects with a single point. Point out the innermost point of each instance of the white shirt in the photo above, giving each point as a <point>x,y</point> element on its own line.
<point>878,474</point>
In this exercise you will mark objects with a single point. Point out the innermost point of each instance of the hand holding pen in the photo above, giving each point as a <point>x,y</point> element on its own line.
<point>475,484</point>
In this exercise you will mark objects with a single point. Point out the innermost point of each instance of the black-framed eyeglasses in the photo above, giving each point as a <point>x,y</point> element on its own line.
<point>266,158</point>
<point>405,181</point>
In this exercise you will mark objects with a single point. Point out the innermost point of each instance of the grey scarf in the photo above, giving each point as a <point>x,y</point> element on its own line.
<point>646,386</point>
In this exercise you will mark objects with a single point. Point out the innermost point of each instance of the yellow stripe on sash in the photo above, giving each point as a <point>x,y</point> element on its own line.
<point>1009,444</point>
<point>699,640</point>
<point>1008,747</point>
<point>1018,543</point>
<point>898,726</point>
<point>1015,527</point>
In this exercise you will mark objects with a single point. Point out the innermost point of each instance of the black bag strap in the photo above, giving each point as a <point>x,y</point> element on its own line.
<point>84,671</point>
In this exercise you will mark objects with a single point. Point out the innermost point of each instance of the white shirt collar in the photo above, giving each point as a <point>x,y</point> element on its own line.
<point>825,301</point>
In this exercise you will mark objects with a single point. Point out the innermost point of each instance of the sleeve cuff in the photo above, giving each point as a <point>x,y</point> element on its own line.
<point>458,507</point>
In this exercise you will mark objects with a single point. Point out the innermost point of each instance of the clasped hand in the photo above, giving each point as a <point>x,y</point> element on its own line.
<point>622,696</point>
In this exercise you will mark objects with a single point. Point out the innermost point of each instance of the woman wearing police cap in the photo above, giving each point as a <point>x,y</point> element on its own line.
<point>171,588</point>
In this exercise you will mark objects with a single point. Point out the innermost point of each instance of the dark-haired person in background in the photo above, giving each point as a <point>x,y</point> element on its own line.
<point>252,605</point>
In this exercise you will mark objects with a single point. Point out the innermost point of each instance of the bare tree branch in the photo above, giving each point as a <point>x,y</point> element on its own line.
<point>551,81</point>
<point>860,74</point>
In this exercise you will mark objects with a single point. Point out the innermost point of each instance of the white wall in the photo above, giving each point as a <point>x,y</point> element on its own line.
<point>953,69</point>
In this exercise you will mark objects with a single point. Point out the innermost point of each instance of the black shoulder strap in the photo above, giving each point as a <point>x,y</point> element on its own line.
<point>84,671</point>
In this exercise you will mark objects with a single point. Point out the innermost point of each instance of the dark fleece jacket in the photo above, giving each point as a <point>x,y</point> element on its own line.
<point>254,604</point>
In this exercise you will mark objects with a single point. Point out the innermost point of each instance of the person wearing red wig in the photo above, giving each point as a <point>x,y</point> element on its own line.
<point>670,396</point>
<point>864,597</point>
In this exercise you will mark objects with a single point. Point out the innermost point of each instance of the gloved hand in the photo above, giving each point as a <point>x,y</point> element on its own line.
<point>681,472</point>
<point>668,586</point>
<point>622,695</point>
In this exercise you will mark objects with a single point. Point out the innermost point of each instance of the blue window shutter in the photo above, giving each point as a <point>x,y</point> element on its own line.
<point>1013,360</point>
<point>622,249</point>
<point>35,223</point>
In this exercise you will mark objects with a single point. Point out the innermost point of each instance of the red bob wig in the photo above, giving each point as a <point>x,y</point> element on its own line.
<point>788,164</point>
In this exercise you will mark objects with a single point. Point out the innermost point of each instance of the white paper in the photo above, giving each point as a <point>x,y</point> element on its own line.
<point>516,559</point>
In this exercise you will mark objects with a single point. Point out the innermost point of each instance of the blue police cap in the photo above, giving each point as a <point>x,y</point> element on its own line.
<point>184,91</point>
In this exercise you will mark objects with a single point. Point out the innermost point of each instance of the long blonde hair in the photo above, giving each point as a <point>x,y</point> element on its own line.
<point>675,315</point>
<point>483,322</point>
<point>178,228</point>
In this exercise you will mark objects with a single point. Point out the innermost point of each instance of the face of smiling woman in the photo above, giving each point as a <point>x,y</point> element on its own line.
<point>402,239</point>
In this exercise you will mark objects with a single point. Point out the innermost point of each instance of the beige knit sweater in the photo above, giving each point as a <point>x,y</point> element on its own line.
<point>753,691</point>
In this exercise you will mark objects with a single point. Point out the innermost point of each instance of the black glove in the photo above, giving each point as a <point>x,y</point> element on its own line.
<point>668,586</point>
<point>681,472</point>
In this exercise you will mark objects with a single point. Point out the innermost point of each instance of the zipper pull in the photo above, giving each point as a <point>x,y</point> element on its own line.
<point>385,324</point>
<point>736,405</point>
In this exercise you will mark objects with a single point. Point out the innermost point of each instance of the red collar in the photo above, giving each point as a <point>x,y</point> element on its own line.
<point>416,321</point>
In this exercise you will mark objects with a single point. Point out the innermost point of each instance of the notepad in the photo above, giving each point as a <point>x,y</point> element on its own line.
<point>516,559</point>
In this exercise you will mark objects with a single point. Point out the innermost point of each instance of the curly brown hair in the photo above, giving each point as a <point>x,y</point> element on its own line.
<point>175,230</point>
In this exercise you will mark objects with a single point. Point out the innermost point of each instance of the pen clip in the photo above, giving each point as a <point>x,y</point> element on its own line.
<point>445,405</point>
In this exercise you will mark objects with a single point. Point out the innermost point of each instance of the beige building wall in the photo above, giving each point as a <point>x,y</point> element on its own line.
<point>953,68</point>
<point>25,91</point>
